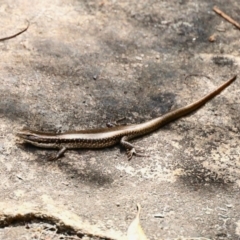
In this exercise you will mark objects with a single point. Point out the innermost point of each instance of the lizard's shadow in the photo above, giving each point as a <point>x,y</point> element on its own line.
<point>79,170</point>
<point>89,175</point>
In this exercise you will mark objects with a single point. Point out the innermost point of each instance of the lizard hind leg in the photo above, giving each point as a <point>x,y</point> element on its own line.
<point>131,149</point>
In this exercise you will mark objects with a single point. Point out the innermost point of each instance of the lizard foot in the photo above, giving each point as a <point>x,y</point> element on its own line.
<point>58,155</point>
<point>52,157</point>
<point>131,152</point>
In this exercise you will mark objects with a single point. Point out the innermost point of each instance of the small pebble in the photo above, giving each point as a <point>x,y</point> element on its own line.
<point>138,58</point>
<point>158,215</point>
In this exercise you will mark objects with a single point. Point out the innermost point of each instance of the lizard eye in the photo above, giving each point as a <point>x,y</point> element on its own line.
<point>31,137</point>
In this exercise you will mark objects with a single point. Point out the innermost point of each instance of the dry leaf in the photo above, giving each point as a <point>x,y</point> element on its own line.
<point>212,38</point>
<point>135,231</point>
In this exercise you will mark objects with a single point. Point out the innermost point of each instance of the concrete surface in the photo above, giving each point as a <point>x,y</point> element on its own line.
<point>83,63</point>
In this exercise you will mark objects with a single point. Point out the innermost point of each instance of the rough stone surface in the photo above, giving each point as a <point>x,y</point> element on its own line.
<point>83,63</point>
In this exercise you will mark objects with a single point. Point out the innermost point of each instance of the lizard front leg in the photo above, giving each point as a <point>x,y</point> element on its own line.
<point>58,155</point>
<point>116,123</point>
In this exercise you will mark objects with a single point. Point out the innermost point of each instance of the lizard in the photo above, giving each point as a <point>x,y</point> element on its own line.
<point>106,137</point>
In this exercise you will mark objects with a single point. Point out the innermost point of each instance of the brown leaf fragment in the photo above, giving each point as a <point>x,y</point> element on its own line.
<point>212,38</point>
